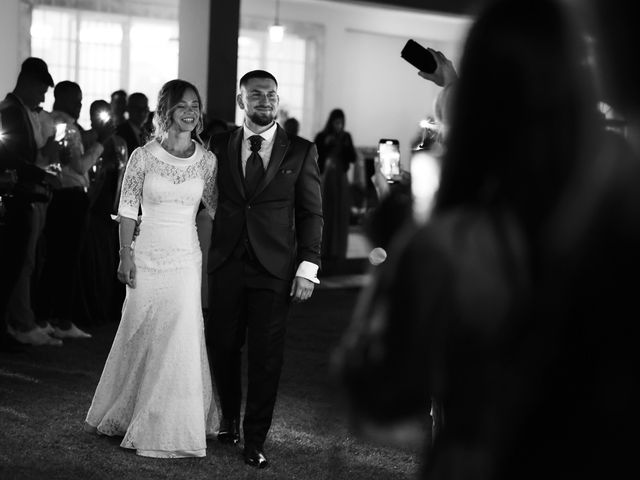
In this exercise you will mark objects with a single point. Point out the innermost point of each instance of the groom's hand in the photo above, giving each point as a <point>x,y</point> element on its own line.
<point>301,289</point>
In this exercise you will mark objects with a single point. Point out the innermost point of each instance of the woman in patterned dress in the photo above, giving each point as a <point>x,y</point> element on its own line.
<point>155,389</point>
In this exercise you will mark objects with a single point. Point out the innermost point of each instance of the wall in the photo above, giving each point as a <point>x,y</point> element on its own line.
<point>361,69</point>
<point>194,43</point>
<point>9,38</point>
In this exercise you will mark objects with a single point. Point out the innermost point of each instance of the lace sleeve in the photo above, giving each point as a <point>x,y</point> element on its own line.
<point>131,193</point>
<point>210,194</point>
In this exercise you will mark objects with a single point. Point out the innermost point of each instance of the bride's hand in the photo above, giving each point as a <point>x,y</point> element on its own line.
<point>127,267</point>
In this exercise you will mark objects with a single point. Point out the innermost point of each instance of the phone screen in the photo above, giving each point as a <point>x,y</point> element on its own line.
<point>389,152</point>
<point>61,129</point>
<point>425,180</point>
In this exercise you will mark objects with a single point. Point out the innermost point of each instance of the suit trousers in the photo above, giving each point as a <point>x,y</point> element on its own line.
<point>64,234</point>
<point>247,304</point>
<point>27,224</point>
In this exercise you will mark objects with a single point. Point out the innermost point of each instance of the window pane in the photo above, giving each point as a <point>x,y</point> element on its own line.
<point>154,57</point>
<point>286,60</point>
<point>104,52</point>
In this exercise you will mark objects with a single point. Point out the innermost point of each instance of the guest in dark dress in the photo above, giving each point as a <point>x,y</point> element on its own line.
<point>335,155</point>
<point>99,294</point>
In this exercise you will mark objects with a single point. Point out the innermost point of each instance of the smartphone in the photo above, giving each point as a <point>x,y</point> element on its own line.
<point>425,180</point>
<point>419,57</point>
<point>389,154</point>
<point>61,130</point>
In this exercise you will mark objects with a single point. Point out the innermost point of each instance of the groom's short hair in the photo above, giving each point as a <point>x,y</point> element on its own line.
<point>256,74</point>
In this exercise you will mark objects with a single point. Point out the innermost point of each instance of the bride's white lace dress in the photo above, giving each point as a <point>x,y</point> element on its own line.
<point>155,389</point>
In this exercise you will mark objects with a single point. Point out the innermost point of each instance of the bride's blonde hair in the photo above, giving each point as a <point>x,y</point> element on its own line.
<point>168,98</point>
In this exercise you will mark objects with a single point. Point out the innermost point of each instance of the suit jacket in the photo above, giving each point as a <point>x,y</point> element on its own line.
<point>283,218</point>
<point>18,149</point>
<point>125,130</point>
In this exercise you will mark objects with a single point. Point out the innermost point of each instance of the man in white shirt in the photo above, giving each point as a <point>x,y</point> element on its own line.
<point>265,253</point>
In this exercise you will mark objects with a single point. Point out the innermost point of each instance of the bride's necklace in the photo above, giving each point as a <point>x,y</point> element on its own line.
<point>179,153</point>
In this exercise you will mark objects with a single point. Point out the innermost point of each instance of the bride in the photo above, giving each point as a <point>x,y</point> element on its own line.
<point>155,389</point>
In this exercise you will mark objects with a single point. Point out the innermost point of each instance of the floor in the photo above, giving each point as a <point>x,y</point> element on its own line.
<point>358,247</point>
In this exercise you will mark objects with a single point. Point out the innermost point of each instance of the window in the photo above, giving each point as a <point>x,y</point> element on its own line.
<point>293,63</point>
<point>104,52</point>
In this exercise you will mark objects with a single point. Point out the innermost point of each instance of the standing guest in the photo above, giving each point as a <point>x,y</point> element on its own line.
<point>212,127</point>
<point>335,156</point>
<point>27,205</point>
<point>291,126</point>
<point>155,389</point>
<point>132,130</point>
<point>67,215</point>
<point>459,311</point>
<point>98,292</point>
<point>588,391</point>
<point>265,253</point>
<point>118,107</point>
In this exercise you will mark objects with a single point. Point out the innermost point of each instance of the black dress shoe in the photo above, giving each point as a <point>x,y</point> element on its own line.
<point>254,457</point>
<point>229,431</point>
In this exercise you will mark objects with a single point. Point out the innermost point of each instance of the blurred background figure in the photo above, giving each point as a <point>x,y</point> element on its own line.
<point>24,146</point>
<point>118,107</point>
<point>336,153</point>
<point>67,214</point>
<point>132,130</point>
<point>24,153</point>
<point>291,126</point>
<point>98,295</point>
<point>451,313</point>
<point>589,375</point>
<point>212,126</point>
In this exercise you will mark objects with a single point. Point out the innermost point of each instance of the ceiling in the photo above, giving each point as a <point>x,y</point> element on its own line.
<point>453,7</point>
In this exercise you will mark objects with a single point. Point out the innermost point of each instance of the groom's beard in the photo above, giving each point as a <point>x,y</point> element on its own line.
<point>262,118</point>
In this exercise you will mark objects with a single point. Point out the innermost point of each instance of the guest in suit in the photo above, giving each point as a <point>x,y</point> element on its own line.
<point>131,130</point>
<point>265,253</point>
<point>99,294</point>
<point>26,207</point>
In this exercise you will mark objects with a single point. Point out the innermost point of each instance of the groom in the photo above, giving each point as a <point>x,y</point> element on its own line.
<point>264,254</point>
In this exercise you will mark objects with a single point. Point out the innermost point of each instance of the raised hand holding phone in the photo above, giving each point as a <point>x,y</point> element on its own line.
<point>418,56</point>
<point>444,72</point>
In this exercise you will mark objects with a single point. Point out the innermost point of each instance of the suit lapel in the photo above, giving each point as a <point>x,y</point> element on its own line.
<point>280,146</point>
<point>235,164</point>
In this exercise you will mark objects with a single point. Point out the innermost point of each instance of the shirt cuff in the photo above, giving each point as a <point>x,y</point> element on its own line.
<point>309,271</point>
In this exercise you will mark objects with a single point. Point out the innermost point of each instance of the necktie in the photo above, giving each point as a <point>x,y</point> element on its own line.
<point>254,168</point>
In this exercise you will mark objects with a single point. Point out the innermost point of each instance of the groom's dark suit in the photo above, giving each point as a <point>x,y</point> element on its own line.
<point>258,241</point>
